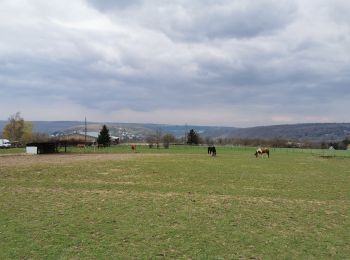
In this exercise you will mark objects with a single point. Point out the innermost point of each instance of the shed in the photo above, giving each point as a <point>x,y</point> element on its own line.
<point>42,148</point>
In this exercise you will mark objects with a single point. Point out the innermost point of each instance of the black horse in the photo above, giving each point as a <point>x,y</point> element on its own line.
<point>212,150</point>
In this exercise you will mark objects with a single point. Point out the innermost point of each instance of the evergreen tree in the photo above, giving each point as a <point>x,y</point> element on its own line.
<point>192,137</point>
<point>104,138</point>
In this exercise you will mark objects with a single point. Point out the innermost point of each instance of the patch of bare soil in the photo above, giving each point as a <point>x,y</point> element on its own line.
<point>28,160</point>
<point>327,156</point>
<point>334,157</point>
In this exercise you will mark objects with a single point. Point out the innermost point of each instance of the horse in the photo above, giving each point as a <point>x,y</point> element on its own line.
<point>261,152</point>
<point>212,150</point>
<point>133,147</point>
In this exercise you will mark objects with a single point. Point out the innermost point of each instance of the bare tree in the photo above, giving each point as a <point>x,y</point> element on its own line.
<point>151,139</point>
<point>167,139</point>
<point>18,130</point>
<point>158,136</point>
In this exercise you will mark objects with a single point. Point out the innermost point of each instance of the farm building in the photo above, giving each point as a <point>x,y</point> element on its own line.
<point>42,148</point>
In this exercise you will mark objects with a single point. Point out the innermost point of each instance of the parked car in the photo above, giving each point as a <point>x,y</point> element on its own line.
<point>4,143</point>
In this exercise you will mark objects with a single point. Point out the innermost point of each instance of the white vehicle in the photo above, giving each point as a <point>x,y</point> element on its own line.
<point>4,143</point>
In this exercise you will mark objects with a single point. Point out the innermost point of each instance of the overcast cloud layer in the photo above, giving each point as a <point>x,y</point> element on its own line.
<point>223,62</point>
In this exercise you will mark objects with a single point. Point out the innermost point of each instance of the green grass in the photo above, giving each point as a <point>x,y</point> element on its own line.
<point>195,149</point>
<point>6,151</point>
<point>178,203</point>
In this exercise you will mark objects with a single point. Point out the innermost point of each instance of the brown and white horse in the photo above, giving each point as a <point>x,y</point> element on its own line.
<point>261,152</point>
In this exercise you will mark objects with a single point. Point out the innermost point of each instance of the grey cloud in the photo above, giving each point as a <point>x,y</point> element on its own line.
<point>201,20</point>
<point>251,84</point>
<point>254,19</point>
<point>338,11</point>
<point>110,5</point>
<point>154,56</point>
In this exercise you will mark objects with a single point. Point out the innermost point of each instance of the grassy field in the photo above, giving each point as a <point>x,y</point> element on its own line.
<point>174,203</point>
<point>6,151</point>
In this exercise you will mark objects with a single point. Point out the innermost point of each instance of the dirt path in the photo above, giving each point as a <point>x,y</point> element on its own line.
<point>27,160</point>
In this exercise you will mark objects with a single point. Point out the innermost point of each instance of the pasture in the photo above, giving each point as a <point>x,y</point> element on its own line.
<point>174,203</point>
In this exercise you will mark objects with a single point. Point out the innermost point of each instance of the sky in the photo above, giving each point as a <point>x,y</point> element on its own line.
<point>204,62</point>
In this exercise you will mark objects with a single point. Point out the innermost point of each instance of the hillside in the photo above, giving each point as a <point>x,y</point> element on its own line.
<point>311,132</point>
<point>301,132</point>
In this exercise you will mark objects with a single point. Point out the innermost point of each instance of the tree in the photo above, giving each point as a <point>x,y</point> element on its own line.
<point>151,139</point>
<point>192,137</point>
<point>158,136</point>
<point>104,138</point>
<point>209,140</point>
<point>40,137</point>
<point>346,142</point>
<point>17,130</point>
<point>167,139</point>
<point>27,136</point>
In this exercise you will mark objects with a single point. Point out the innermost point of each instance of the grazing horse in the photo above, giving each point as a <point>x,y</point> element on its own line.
<point>261,152</point>
<point>133,147</point>
<point>212,150</point>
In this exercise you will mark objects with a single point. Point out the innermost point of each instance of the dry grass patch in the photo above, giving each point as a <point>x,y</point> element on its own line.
<point>59,159</point>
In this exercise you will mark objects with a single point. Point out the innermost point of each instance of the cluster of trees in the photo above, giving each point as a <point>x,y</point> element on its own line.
<point>280,142</point>
<point>342,145</point>
<point>159,138</point>
<point>273,142</point>
<point>20,132</point>
<point>193,138</point>
<point>155,140</point>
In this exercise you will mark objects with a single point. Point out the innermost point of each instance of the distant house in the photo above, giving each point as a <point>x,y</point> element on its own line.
<point>79,137</point>
<point>115,139</point>
<point>91,137</point>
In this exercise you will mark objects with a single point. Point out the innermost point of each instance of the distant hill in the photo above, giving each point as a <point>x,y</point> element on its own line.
<point>47,126</point>
<point>301,132</point>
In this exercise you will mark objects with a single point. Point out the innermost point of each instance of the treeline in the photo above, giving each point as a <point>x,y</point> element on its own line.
<point>284,143</point>
<point>342,145</point>
<point>193,138</point>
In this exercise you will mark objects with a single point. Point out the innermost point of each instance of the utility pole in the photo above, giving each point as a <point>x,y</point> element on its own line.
<point>85,130</point>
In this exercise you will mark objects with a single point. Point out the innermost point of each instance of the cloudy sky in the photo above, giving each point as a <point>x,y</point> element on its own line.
<point>205,62</point>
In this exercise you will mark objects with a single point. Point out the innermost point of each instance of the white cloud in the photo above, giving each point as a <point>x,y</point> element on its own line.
<point>224,62</point>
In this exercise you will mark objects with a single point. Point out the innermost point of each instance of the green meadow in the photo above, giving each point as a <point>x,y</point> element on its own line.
<point>177,203</point>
